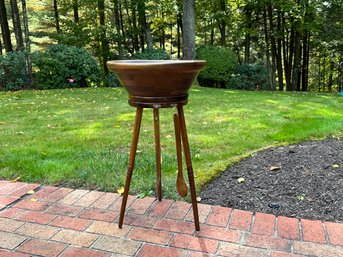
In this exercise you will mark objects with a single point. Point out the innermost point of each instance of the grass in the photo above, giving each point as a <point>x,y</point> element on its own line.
<point>81,137</point>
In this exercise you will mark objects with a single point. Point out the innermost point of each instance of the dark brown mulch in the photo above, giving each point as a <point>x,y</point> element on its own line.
<point>308,183</point>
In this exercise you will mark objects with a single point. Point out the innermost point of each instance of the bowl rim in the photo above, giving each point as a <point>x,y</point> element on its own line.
<point>144,62</point>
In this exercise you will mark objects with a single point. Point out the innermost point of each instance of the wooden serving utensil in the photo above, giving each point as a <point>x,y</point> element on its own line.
<point>180,182</point>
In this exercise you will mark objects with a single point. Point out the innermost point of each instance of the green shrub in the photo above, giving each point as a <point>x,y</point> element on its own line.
<point>62,66</point>
<point>249,77</point>
<point>111,80</point>
<point>152,54</point>
<point>220,65</point>
<point>13,75</point>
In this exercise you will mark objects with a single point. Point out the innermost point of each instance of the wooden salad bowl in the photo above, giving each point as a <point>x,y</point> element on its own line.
<point>160,83</point>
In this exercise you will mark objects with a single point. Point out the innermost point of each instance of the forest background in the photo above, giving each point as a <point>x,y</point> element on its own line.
<point>293,45</point>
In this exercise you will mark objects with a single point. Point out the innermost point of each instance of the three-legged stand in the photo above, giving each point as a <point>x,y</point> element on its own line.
<point>184,137</point>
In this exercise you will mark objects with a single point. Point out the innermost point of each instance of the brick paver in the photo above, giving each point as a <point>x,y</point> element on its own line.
<point>313,231</point>
<point>36,217</point>
<point>150,236</point>
<point>109,229</point>
<point>105,200</point>
<point>151,250</point>
<point>241,220</point>
<point>117,245</point>
<point>10,240</point>
<point>175,226</point>
<point>11,213</point>
<point>98,214</point>
<point>24,190</point>
<point>37,231</point>
<point>32,205</point>
<point>78,252</point>
<point>9,225</point>
<point>5,253</point>
<point>203,209</point>
<point>178,211</point>
<point>72,223</point>
<point>68,223</point>
<point>75,237</point>
<point>195,243</point>
<point>231,250</point>
<point>268,242</point>
<point>160,208</point>
<point>264,224</point>
<point>335,233</point>
<point>64,209</point>
<point>219,216</point>
<point>288,228</point>
<point>219,233</point>
<point>42,248</point>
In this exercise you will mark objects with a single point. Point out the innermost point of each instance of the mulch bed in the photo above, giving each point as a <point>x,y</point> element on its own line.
<point>303,180</point>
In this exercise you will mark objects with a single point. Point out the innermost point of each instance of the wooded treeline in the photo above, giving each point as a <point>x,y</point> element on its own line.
<point>300,42</point>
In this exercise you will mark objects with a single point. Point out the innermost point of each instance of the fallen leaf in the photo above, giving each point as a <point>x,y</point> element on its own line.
<point>301,197</point>
<point>335,166</point>
<point>272,168</point>
<point>33,200</point>
<point>241,180</point>
<point>31,192</point>
<point>120,190</point>
<point>15,180</point>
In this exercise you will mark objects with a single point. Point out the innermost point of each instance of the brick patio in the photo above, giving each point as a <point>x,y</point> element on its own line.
<point>63,222</point>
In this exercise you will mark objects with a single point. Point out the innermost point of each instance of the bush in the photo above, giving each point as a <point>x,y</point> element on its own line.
<point>62,66</point>
<point>13,75</point>
<point>152,54</point>
<point>111,80</point>
<point>249,77</point>
<point>220,65</point>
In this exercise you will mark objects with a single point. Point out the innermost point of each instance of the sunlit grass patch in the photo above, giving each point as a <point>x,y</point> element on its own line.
<point>81,137</point>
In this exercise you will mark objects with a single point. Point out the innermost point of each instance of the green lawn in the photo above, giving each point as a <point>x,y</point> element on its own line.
<point>81,137</point>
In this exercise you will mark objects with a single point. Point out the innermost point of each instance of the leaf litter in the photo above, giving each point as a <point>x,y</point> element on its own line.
<point>309,185</point>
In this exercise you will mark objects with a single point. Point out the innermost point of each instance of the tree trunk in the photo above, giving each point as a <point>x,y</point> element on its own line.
<point>0,47</point>
<point>103,44</point>
<point>273,45</point>
<point>188,35</point>
<point>17,25</point>
<point>145,27</point>
<point>57,18</point>
<point>279,53</point>
<point>330,83</point>
<point>135,30</point>
<point>117,24</point>
<point>179,28</point>
<point>290,61</point>
<point>297,60</point>
<point>285,50</point>
<point>6,34</point>
<point>131,32</point>
<point>212,34</point>
<point>247,39</point>
<point>222,24</point>
<point>266,39</point>
<point>306,58</point>
<point>76,11</point>
<point>27,43</point>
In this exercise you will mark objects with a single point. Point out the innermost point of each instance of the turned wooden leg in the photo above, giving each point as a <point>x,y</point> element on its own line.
<point>189,166</point>
<point>133,150</point>
<point>158,153</point>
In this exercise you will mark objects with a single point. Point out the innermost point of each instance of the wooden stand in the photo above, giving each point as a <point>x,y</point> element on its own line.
<point>180,124</point>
